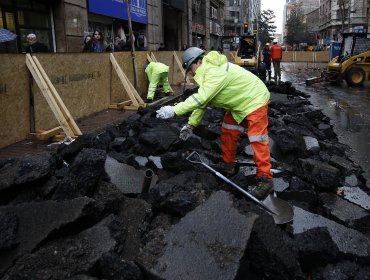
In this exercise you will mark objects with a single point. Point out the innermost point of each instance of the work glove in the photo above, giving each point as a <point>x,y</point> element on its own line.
<point>186,131</point>
<point>165,112</point>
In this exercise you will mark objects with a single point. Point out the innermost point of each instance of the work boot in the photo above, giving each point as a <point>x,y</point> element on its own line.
<point>264,187</point>
<point>224,167</point>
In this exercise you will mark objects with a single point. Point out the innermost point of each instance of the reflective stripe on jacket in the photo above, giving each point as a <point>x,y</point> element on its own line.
<point>224,85</point>
<point>276,52</point>
<point>156,68</point>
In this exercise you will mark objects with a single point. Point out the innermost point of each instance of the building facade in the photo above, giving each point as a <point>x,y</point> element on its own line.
<point>63,24</point>
<point>306,7</point>
<point>332,23</point>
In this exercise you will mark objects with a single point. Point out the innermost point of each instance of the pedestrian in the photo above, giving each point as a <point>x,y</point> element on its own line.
<point>87,46</point>
<point>98,43</point>
<point>267,59</point>
<point>245,98</point>
<point>158,75</point>
<point>34,46</point>
<point>119,44</point>
<point>141,42</point>
<point>128,46</point>
<point>162,47</point>
<point>276,53</point>
<point>120,32</point>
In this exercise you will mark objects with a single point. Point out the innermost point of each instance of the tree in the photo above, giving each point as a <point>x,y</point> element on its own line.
<point>343,11</point>
<point>295,27</point>
<point>266,27</point>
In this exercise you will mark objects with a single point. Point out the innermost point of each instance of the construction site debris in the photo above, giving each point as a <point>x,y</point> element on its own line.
<point>65,215</point>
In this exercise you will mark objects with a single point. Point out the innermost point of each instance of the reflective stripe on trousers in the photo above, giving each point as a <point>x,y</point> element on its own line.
<point>156,79</point>
<point>255,124</point>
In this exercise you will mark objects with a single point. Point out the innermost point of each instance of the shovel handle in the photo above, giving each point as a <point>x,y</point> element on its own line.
<point>218,174</point>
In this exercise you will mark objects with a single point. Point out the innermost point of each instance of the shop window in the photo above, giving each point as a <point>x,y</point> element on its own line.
<point>1,19</point>
<point>42,36</point>
<point>6,2</point>
<point>9,19</point>
<point>24,4</point>
<point>39,6</point>
<point>33,19</point>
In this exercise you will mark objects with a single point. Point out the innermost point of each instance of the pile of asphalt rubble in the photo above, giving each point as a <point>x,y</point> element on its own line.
<point>81,211</point>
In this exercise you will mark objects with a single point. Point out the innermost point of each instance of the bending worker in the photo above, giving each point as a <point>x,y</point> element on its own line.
<point>157,74</point>
<point>243,95</point>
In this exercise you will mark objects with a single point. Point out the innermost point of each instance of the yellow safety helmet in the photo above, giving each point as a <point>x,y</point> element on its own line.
<point>267,44</point>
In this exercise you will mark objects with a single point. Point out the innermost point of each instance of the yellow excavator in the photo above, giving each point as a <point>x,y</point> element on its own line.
<point>352,64</point>
<point>247,53</point>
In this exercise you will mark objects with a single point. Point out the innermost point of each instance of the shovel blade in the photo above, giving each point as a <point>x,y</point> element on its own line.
<point>284,211</point>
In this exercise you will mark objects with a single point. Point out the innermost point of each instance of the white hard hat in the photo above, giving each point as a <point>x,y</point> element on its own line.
<point>190,55</point>
<point>275,40</point>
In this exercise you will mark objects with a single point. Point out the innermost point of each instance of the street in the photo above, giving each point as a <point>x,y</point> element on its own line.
<point>347,107</point>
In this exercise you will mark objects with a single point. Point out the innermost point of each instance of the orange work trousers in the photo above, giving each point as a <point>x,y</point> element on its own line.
<point>256,125</point>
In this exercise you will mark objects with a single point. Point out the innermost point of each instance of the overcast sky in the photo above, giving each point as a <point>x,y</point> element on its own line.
<point>278,7</point>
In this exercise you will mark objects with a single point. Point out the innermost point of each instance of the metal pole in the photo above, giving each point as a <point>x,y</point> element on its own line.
<point>132,42</point>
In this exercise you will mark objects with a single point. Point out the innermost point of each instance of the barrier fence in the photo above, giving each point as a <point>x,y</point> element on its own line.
<point>87,83</point>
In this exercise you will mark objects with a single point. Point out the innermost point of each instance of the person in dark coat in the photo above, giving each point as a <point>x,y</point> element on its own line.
<point>162,47</point>
<point>87,46</point>
<point>35,46</point>
<point>267,58</point>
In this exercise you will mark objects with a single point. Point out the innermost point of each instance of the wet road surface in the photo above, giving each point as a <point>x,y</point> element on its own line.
<point>347,107</point>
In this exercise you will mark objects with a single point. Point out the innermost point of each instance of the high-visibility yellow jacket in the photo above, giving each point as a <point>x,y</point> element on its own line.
<point>224,85</point>
<point>156,68</point>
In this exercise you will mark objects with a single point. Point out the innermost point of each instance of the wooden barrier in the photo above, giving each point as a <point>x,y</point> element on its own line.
<point>14,99</point>
<point>293,56</point>
<point>86,82</point>
<point>300,56</point>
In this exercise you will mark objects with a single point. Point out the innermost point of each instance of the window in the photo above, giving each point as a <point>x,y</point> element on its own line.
<point>235,2</point>
<point>213,13</point>
<point>34,19</point>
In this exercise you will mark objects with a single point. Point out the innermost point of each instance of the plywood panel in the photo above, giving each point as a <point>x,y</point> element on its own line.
<point>82,81</point>
<point>175,76</point>
<point>14,99</point>
<point>287,57</point>
<point>322,56</point>
<point>124,60</point>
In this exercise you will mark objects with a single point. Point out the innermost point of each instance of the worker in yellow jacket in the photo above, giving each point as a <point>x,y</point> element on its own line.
<point>243,95</point>
<point>157,74</point>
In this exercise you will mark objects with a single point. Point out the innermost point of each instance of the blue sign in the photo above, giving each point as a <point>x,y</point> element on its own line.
<point>118,9</point>
<point>359,29</point>
<point>334,49</point>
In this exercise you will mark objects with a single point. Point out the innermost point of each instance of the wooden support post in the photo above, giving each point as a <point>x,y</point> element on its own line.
<point>180,67</point>
<point>46,135</point>
<point>48,96</point>
<point>153,57</point>
<point>149,58</point>
<point>57,98</point>
<point>126,83</point>
<point>120,105</point>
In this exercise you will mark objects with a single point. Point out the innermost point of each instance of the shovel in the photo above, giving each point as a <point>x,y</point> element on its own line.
<point>281,211</point>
